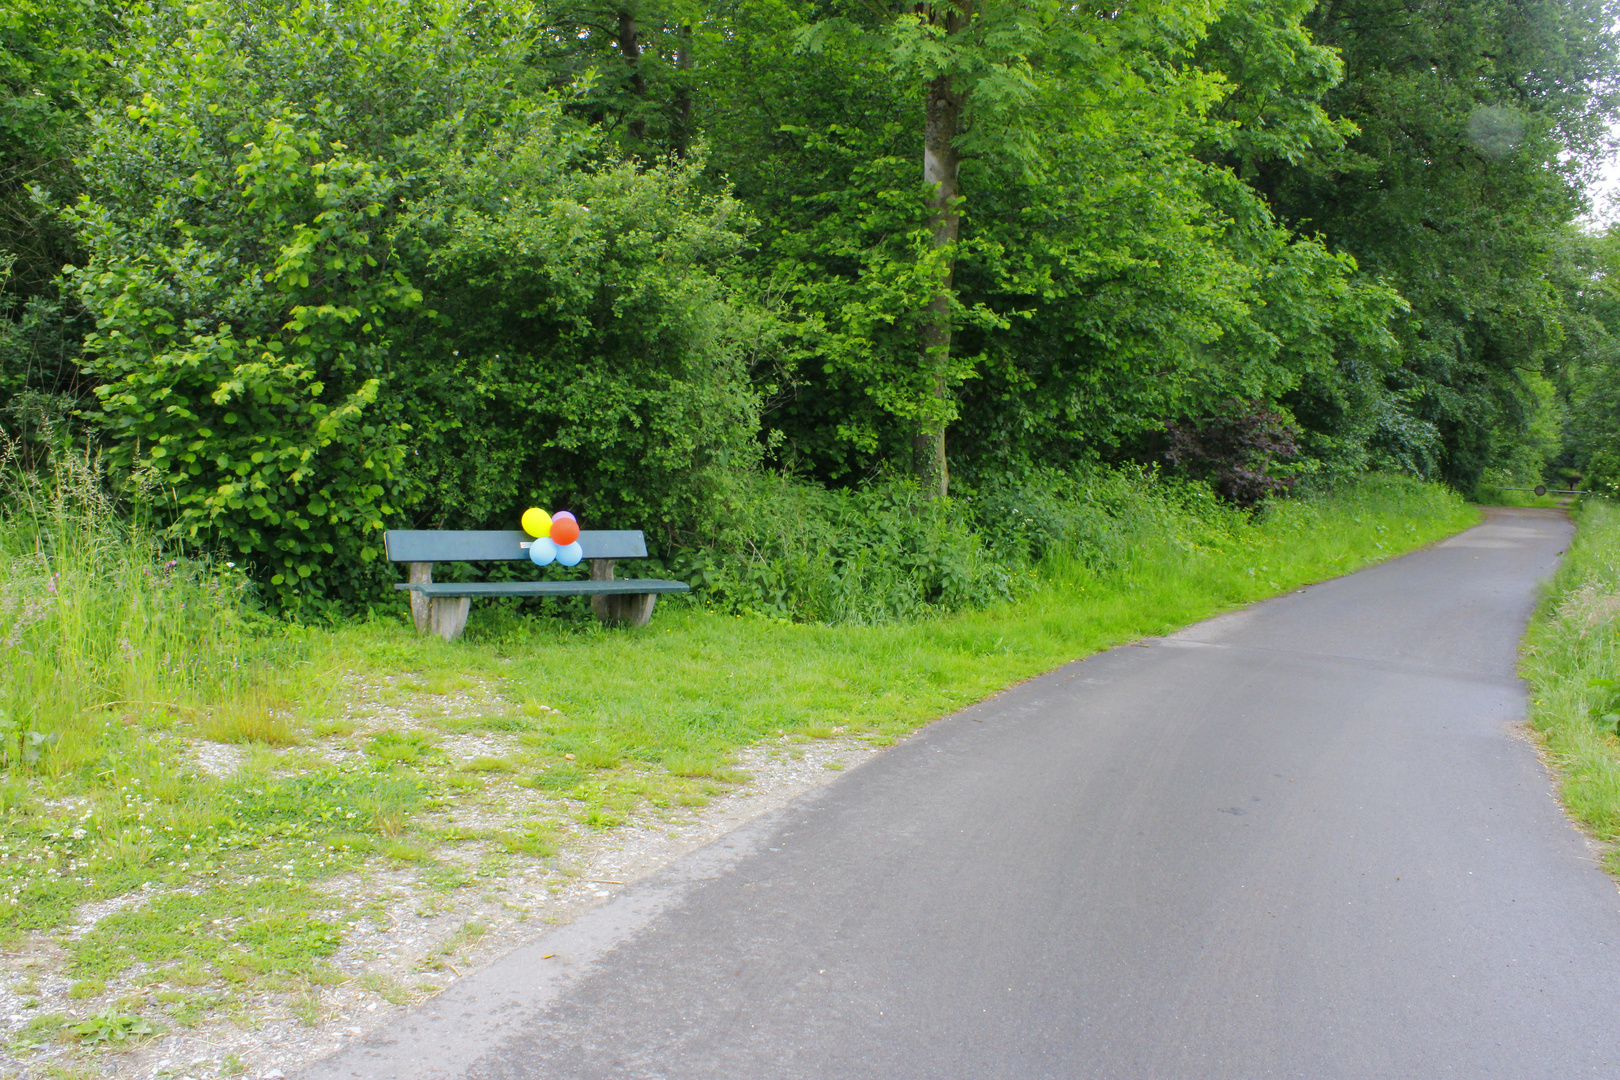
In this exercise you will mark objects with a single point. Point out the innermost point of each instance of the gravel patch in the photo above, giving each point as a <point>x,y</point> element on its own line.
<point>415,935</point>
<point>92,913</point>
<point>216,759</point>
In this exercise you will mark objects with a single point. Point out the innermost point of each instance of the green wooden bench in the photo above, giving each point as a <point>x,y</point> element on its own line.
<point>442,606</point>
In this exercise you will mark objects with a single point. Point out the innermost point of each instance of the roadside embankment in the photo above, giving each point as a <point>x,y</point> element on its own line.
<point>1572,660</point>
<point>227,866</point>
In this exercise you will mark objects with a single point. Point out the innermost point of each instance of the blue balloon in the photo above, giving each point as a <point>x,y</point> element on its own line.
<point>543,550</point>
<point>570,554</point>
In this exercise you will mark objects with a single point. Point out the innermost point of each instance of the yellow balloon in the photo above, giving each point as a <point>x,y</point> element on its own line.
<point>536,522</point>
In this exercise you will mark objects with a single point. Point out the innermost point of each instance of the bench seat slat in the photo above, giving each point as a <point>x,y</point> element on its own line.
<point>545,588</point>
<point>502,545</point>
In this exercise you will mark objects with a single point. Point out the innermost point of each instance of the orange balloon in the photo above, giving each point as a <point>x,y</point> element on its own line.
<point>564,529</point>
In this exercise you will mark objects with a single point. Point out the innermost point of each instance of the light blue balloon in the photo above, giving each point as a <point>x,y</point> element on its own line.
<point>543,550</point>
<point>570,554</point>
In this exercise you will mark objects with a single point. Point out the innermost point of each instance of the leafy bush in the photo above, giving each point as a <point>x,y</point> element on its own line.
<point>874,554</point>
<point>349,267</point>
<point>882,552</point>
<point>1241,450</point>
<point>1097,517</point>
<point>585,344</point>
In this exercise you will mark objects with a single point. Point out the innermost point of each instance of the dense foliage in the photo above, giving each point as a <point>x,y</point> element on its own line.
<point>705,268</point>
<point>50,67</point>
<point>338,283</point>
<point>1589,371</point>
<point>1476,122</point>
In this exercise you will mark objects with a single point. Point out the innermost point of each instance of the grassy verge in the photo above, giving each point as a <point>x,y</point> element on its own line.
<point>682,695</point>
<point>1495,496</point>
<point>178,841</point>
<point>1572,660</point>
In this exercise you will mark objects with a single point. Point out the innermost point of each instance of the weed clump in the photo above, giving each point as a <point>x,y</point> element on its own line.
<point>103,625</point>
<point>113,1028</point>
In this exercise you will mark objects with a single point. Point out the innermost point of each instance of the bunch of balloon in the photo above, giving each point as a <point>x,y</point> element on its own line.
<point>556,538</point>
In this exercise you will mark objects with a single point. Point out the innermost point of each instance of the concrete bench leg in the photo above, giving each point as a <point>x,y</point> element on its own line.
<point>443,615</point>
<point>638,608</point>
<point>633,608</point>
<point>448,615</point>
<point>421,574</point>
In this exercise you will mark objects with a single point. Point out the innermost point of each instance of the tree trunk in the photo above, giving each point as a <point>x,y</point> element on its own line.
<point>630,47</point>
<point>683,94</point>
<point>941,163</point>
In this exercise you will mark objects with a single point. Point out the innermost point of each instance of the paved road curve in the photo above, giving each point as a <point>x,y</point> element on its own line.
<point>1300,841</point>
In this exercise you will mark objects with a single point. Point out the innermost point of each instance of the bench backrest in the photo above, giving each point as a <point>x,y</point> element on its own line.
<point>438,545</point>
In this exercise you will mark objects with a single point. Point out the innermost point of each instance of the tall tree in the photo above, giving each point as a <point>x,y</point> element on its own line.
<point>998,79</point>
<point>1071,271</point>
<point>996,83</point>
<point>1588,361</point>
<point>627,67</point>
<point>945,96</point>
<point>1476,120</point>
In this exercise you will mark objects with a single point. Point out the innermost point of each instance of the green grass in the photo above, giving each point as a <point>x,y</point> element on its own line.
<point>639,714</point>
<point>102,629</point>
<point>606,726</point>
<point>1572,660</point>
<point>1495,496</point>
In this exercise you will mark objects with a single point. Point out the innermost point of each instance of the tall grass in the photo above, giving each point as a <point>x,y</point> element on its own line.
<point>103,625</point>
<point>884,554</point>
<point>1572,659</point>
<point>1488,495</point>
<point>878,554</point>
<point>690,689</point>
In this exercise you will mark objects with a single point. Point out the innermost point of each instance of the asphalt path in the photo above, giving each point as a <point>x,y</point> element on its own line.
<point>1304,840</point>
